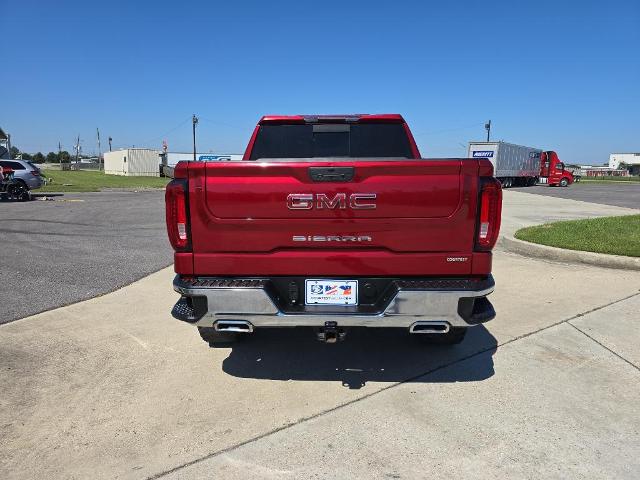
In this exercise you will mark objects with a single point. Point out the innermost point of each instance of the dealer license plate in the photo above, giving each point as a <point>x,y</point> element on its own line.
<point>331,292</point>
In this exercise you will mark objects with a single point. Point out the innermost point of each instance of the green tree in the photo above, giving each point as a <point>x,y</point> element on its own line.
<point>38,158</point>
<point>52,157</point>
<point>14,152</point>
<point>26,156</point>
<point>65,157</point>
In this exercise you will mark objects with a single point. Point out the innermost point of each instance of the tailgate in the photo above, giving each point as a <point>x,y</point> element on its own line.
<point>391,206</point>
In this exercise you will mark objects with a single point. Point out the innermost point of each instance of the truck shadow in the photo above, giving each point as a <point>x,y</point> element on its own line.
<point>367,355</point>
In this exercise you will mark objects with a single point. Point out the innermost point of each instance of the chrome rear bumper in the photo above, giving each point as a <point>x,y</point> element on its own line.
<point>206,301</point>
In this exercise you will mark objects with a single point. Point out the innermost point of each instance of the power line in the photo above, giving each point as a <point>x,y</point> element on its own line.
<point>216,122</point>
<point>436,132</point>
<point>161,137</point>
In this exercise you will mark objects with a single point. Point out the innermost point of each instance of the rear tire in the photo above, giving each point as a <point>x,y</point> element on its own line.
<point>454,336</point>
<point>217,339</point>
<point>18,190</point>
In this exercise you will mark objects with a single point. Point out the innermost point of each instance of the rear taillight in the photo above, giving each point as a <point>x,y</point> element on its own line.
<point>35,173</point>
<point>177,217</point>
<point>490,210</point>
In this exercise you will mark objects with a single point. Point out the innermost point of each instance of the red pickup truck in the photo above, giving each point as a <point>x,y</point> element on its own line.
<point>333,222</point>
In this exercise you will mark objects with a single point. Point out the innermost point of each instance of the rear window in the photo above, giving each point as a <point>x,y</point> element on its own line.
<point>12,165</point>
<point>365,140</point>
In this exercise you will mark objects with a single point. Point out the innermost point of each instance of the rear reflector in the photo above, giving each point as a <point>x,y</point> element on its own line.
<point>484,230</point>
<point>177,218</point>
<point>490,210</point>
<point>182,231</point>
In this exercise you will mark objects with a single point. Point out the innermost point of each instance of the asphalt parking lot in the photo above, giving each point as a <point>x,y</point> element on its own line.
<point>78,246</point>
<point>113,387</point>
<point>618,194</point>
<point>85,244</point>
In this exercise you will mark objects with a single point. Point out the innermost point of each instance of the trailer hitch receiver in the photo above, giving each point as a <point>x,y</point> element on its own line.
<point>330,333</point>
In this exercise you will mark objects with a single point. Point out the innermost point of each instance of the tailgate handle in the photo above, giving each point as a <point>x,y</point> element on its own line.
<point>331,174</point>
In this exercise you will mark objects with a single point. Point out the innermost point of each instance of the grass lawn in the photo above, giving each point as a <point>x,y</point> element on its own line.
<point>609,180</point>
<point>612,235</point>
<point>92,181</point>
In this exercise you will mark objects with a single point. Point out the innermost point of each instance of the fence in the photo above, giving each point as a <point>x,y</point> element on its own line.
<point>69,166</point>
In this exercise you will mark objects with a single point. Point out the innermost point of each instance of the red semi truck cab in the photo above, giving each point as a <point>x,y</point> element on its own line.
<point>333,222</point>
<point>553,171</point>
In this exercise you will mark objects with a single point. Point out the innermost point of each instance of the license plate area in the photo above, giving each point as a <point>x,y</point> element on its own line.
<point>326,291</point>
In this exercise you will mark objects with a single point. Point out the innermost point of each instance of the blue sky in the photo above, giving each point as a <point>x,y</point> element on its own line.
<point>556,75</point>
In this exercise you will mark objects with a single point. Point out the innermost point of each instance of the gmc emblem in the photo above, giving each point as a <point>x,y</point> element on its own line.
<point>341,201</point>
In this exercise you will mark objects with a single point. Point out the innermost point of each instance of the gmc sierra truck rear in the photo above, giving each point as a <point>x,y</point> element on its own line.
<point>333,222</point>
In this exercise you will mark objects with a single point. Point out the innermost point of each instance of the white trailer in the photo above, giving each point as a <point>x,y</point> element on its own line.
<point>140,162</point>
<point>512,164</point>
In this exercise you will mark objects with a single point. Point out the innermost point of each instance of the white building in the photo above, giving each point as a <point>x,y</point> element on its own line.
<point>133,162</point>
<point>630,159</point>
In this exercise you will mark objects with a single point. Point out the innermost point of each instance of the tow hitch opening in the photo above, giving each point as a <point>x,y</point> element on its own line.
<point>330,333</point>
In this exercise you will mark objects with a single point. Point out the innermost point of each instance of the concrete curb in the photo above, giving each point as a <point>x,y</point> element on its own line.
<point>536,250</point>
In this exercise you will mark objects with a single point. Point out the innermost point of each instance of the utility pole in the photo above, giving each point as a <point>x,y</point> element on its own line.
<point>487,127</point>
<point>78,149</point>
<point>194,120</point>
<point>99,151</point>
<point>59,152</point>
<point>110,143</point>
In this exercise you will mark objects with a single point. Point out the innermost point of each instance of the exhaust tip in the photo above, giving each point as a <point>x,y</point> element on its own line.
<point>239,326</point>
<point>430,327</point>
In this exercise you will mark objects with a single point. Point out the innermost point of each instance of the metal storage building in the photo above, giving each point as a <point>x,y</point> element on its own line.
<point>133,162</point>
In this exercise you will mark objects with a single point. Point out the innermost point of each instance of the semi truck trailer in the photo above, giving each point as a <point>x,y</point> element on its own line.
<point>513,165</point>
<point>517,165</point>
